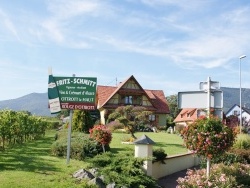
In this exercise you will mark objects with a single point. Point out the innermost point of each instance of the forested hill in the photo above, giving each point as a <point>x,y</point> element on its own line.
<point>37,103</point>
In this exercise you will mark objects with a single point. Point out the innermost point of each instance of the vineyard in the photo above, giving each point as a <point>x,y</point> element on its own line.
<point>19,127</point>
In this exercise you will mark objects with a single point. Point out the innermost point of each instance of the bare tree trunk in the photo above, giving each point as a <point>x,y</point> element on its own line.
<point>103,148</point>
<point>208,167</point>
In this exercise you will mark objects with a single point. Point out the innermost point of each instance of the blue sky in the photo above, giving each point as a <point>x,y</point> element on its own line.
<point>166,44</point>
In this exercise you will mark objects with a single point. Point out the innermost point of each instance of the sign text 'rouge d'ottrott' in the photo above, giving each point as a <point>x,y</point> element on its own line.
<point>76,93</point>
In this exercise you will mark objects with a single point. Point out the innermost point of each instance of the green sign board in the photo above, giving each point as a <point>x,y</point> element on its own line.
<point>76,93</point>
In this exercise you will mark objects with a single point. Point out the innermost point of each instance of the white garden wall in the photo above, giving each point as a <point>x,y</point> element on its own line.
<point>174,164</point>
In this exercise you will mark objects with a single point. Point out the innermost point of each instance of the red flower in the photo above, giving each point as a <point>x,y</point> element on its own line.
<point>101,134</point>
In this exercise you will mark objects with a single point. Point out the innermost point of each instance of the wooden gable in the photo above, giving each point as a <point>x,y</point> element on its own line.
<point>127,88</point>
<point>131,84</point>
<point>111,97</point>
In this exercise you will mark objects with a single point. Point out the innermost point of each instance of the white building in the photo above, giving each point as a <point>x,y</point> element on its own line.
<point>235,110</point>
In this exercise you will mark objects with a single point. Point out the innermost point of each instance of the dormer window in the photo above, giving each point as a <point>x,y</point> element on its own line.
<point>131,100</point>
<point>128,99</point>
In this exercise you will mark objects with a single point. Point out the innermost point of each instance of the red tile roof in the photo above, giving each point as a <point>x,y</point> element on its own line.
<point>186,114</point>
<point>159,101</point>
<point>104,93</point>
<point>157,97</point>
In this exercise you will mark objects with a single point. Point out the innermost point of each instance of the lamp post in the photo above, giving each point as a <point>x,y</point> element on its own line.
<point>241,57</point>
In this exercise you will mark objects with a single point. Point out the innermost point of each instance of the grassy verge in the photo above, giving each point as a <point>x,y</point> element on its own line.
<point>171,143</point>
<point>31,165</point>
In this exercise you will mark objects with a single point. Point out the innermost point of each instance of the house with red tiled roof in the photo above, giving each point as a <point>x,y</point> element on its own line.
<point>189,115</point>
<point>130,92</point>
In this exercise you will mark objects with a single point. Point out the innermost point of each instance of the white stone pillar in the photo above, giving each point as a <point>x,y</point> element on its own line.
<point>144,149</point>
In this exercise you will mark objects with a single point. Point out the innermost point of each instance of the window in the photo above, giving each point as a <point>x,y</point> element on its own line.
<point>151,117</point>
<point>235,112</point>
<point>128,99</point>
<point>131,100</point>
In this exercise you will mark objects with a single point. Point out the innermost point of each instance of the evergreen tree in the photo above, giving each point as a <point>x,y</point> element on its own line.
<point>82,121</point>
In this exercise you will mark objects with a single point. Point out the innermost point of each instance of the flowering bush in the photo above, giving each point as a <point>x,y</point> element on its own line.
<point>115,125</point>
<point>223,176</point>
<point>101,134</point>
<point>208,137</point>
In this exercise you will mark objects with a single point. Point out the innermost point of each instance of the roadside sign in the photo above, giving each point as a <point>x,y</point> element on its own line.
<point>73,93</point>
<point>76,93</point>
<point>54,102</point>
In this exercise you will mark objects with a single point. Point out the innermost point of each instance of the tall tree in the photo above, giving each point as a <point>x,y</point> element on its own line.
<point>82,121</point>
<point>131,117</point>
<point>208,137</point>
<point>173,105</point>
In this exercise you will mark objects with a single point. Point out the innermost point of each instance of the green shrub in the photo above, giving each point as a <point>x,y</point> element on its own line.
<point>159,155</point>
<point>53,124</point>
<point>123,169</point>
<point>81,146</point>
<point>227,158</point>
<point>242,141</point>
<point>243,153</point>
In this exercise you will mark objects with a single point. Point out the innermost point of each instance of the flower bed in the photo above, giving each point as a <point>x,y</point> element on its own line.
<point>235,175</point>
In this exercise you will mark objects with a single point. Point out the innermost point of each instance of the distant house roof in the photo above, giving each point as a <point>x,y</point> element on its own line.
<point>230,109</point>
<point>156,97</point>
<point>247,110</point>
<point>186,114</point>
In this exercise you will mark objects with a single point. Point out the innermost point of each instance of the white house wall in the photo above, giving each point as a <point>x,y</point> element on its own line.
<point>246,115</point>
<point>231,112</point>
<point>237,108</point>
<point>102,113</point>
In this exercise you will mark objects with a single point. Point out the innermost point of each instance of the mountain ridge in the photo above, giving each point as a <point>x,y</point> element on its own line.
<point>37,103</point>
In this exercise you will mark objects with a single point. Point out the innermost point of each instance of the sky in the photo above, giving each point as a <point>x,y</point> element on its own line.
<point>166,45</point>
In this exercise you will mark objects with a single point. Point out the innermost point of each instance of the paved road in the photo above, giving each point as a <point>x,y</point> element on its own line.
<point>170,181</point>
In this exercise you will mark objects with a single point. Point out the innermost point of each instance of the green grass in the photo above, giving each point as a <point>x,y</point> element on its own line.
<point>31,165</point>
<point>171,143</point>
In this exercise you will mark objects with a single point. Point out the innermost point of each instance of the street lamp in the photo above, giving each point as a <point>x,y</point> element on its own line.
<point>241,57</point>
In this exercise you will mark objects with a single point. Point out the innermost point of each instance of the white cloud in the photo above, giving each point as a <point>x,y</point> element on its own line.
<point>67,20</point>
<point>54,30</point>
<point>65,9</point>
<point>237,16</point>
<point>8,24</point>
